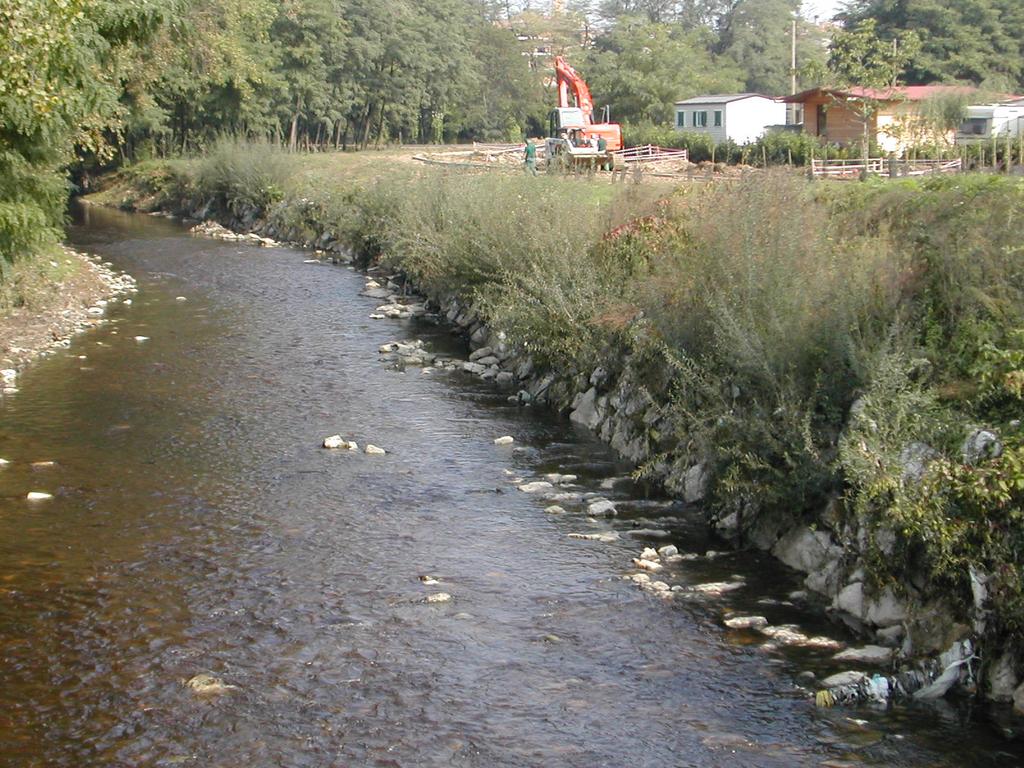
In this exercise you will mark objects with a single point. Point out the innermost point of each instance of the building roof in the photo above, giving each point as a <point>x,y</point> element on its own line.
<point>901,93</point>
<point>721,98</point>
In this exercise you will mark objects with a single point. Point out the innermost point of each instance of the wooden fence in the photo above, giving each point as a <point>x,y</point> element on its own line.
<point>882,166</point>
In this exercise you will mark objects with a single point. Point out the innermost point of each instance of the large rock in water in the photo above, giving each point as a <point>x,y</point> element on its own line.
<point>1002,679</point>
<point>585,409</point>
<point>695,483</point>
<point>804,549</point>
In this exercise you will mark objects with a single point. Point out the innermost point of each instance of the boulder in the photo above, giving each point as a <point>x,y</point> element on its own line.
<point>504,440</point>
<point>695,483</point>
<point>885,609</point>
<point>536,487</point>
<point>869,654</point>
<point>1002,679</point>
<point>601,507</point>
<point>373,450</point>
<point>1018,699</point>
<point>851,599</point>
<point>806,550</point>
<point>841,679</point>
<point>981,445</point>
<point>915,459</point>
<point>585,409</point>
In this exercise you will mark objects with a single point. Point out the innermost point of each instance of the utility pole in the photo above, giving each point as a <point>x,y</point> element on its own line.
<point>792,73</point>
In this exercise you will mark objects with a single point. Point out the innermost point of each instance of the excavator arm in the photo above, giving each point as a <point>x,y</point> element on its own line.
<point>569,81</point>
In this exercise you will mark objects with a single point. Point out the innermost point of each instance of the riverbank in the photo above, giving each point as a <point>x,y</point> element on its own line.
<point>832,373</point>
<point>58,298</point>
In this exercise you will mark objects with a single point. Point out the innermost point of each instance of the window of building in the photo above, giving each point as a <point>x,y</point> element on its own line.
<point>974,126</point>
<point>718,118</point>
<point>680,119</point>
<point>700,119</point>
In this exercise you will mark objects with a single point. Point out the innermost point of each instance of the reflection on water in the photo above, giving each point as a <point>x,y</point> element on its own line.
<point>197,527</point>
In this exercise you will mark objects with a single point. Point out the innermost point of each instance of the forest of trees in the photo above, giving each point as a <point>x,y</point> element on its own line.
<point>103,79</point>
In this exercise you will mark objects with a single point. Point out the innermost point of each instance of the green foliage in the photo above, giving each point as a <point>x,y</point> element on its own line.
<point>61,68</point>
<point>966,40</point>
<point>641,69</point>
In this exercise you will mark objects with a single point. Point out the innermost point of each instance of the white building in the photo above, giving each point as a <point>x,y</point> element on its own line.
<point>740,117</point>
<point>988,121</point>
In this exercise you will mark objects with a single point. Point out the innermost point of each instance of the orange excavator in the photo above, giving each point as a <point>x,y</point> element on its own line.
<point>573,134</point>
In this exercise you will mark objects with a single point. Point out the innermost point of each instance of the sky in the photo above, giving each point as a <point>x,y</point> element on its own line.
<point>823,9</point>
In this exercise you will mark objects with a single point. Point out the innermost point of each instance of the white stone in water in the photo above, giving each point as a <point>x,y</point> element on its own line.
<point>606,537</point>
<point>843,679</point>
<point>373,450</point>
<point>8,376</point>
<point>142,338</point>
<point>94,311</point>
<point>639,578</point>
<point>554,509</point>
<point>535,487</point>
<point>673,558</point>
<point>669,550</point>
<point>869,654</point>
<point>659,586</point>
<point>180,298</point>
<point>38,496</point>
<point>337,441</point>
<point>504,440</point>
<point>746,622</point>
<point>429,581</point>
<point>649,533</point>
<point>717,587</point>
<point>4,462</point>
<point>559,479</point>
<point>601,507</point>
<point>208,684</point>
<point>438,597</point>
<point>647,565</point>
<point>127,302</point>
<point>649,554</point>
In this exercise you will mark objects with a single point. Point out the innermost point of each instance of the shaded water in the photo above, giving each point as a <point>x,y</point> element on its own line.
<point>197,526</point>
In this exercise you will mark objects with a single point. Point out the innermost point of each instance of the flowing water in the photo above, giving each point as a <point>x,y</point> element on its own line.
<point>197,526</point>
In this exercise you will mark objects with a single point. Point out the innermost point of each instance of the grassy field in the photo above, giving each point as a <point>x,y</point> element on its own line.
<point>803,337</point>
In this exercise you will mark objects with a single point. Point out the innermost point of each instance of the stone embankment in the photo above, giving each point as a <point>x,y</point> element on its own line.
<point>917,647</point>
<point>76,304</point>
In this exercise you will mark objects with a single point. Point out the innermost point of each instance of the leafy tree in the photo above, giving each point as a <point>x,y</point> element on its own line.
<point>642,68</point>
<point>965,40</point>
<point>61,71</point>
<point>757,35</point>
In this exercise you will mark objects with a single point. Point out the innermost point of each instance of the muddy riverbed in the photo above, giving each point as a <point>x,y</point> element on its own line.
<point>197,527</point>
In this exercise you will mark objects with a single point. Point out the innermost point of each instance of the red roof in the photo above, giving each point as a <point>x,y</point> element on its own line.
<point>901,93</point>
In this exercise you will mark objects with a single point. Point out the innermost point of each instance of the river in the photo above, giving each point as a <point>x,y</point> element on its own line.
<point>197,526</point>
